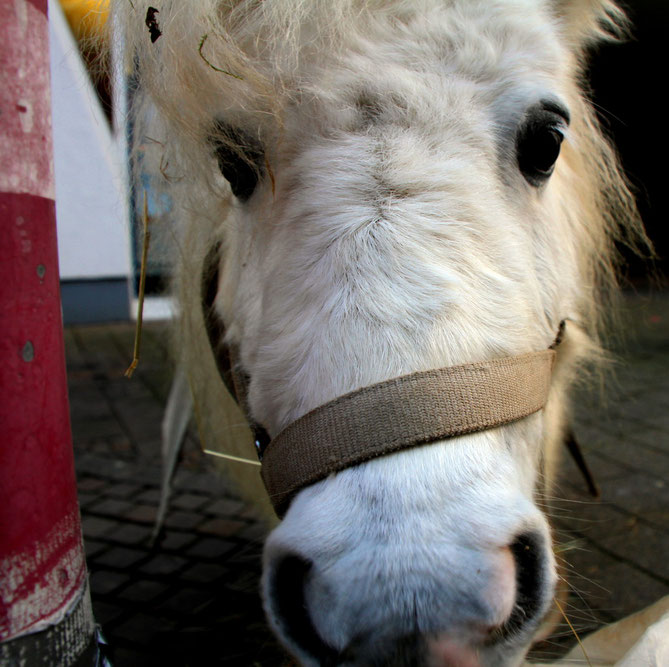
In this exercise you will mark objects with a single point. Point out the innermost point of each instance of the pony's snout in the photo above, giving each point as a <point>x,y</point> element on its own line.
<point>451,610</point>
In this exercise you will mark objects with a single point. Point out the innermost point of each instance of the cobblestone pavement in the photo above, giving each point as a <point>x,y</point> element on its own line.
<point>192,599</point>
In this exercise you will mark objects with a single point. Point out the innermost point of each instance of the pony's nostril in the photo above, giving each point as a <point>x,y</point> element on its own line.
<point>529,555</point>
<point>528,552</point>
<point>289,610</point>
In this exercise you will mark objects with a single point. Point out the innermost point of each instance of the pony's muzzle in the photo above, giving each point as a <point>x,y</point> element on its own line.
<point>440,621</point>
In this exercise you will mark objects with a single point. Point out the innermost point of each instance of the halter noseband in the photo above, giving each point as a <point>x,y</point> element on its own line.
<point>403,412</point>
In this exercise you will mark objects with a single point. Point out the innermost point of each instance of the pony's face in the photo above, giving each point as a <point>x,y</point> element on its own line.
<point>411,214</point>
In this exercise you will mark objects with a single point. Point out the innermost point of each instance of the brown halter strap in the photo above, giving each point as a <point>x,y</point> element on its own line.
<point>404,412</point>
<point>383,418</point>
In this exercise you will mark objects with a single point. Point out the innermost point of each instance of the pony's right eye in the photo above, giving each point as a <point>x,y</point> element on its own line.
<point>539,140</point>
<point>240,159</point>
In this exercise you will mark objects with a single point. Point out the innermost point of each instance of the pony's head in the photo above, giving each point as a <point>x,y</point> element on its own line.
<point>398,186</point>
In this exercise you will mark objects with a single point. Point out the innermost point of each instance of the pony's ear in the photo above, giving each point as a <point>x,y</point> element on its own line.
<point>585,22</point>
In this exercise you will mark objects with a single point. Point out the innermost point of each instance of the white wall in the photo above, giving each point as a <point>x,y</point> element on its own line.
<point>91,209</point>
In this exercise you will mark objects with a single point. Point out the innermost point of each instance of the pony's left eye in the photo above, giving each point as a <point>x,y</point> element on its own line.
<point>240,159</point>
<point>539,140</point>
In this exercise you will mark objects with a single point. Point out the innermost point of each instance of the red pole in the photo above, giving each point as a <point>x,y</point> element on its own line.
<point>42,564</point>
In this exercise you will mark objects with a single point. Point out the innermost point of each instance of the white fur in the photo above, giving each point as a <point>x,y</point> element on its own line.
<point>374,248</point>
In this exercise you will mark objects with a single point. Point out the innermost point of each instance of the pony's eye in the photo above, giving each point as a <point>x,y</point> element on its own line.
<point>240,159</point>
<point>539,140</point>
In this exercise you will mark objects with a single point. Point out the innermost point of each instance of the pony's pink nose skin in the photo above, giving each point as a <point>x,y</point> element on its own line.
<point>446,652</point>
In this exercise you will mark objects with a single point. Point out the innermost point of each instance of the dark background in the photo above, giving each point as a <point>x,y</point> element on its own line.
<point>630,82</point>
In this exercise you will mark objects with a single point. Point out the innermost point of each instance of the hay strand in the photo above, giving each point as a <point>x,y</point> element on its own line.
<point>571,627</point>
<point>142,284</point>
<point>217,69</point>
<point>230,457</point>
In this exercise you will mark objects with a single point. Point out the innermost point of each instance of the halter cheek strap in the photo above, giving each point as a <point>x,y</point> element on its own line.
<point>226,355</point>
<point>383,418</point>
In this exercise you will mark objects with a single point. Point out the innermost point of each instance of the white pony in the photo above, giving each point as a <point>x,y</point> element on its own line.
<point>397,185</point>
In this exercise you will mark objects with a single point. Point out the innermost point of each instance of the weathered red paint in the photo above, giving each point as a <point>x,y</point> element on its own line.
<point>37,483</point>
<point>40,5</point>
<point>42,566</point>
<point>26,147</point>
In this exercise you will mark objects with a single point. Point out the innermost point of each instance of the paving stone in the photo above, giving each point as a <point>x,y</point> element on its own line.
<point>660,424</point>
<point>121,446</point>
<point>125,657</point>
<point>146,475</point>
<point>183,520</point>
<point>140,417</point>
<point>189,501</point>
<point>148,451</point>
<point>625,451</point>
<point>247,582</point>
<point>101,465</point>
<point>142,628</point>
<point>120,557</point>
<point>603,469</point>
<point>251,514</point>
<point>87,500</point>
<point>210,483</point>
<point>221,527</point>
<point>131,534</point>
<point>254,532</point>
<point>164,564</point>
<point>611,586</point>
<point>225,507</point>
<point>149,497</point>
<point>96,428</point>
<point>93,547</point>
<point>172,540</point>
<point>202,646</point>
<point>143,590</point>
<point>94,526</point>
<point>90,484</point>
<point>640,494</point>
<point>104,582</point>
<point>589,519</point>
<point>187,601</point>
<point>204,572</point>
<point>89,405</point>
<point>211,548</point>
<point>119,388</point>
<point>653,438</point>
<point>248,557</point>
<point>105,612</point>
<point>643,546</point>
<point>113,506</point>
<point>141,513</point>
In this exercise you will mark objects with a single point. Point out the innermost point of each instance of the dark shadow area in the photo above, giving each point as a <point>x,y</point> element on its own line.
<point>627,83</point>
